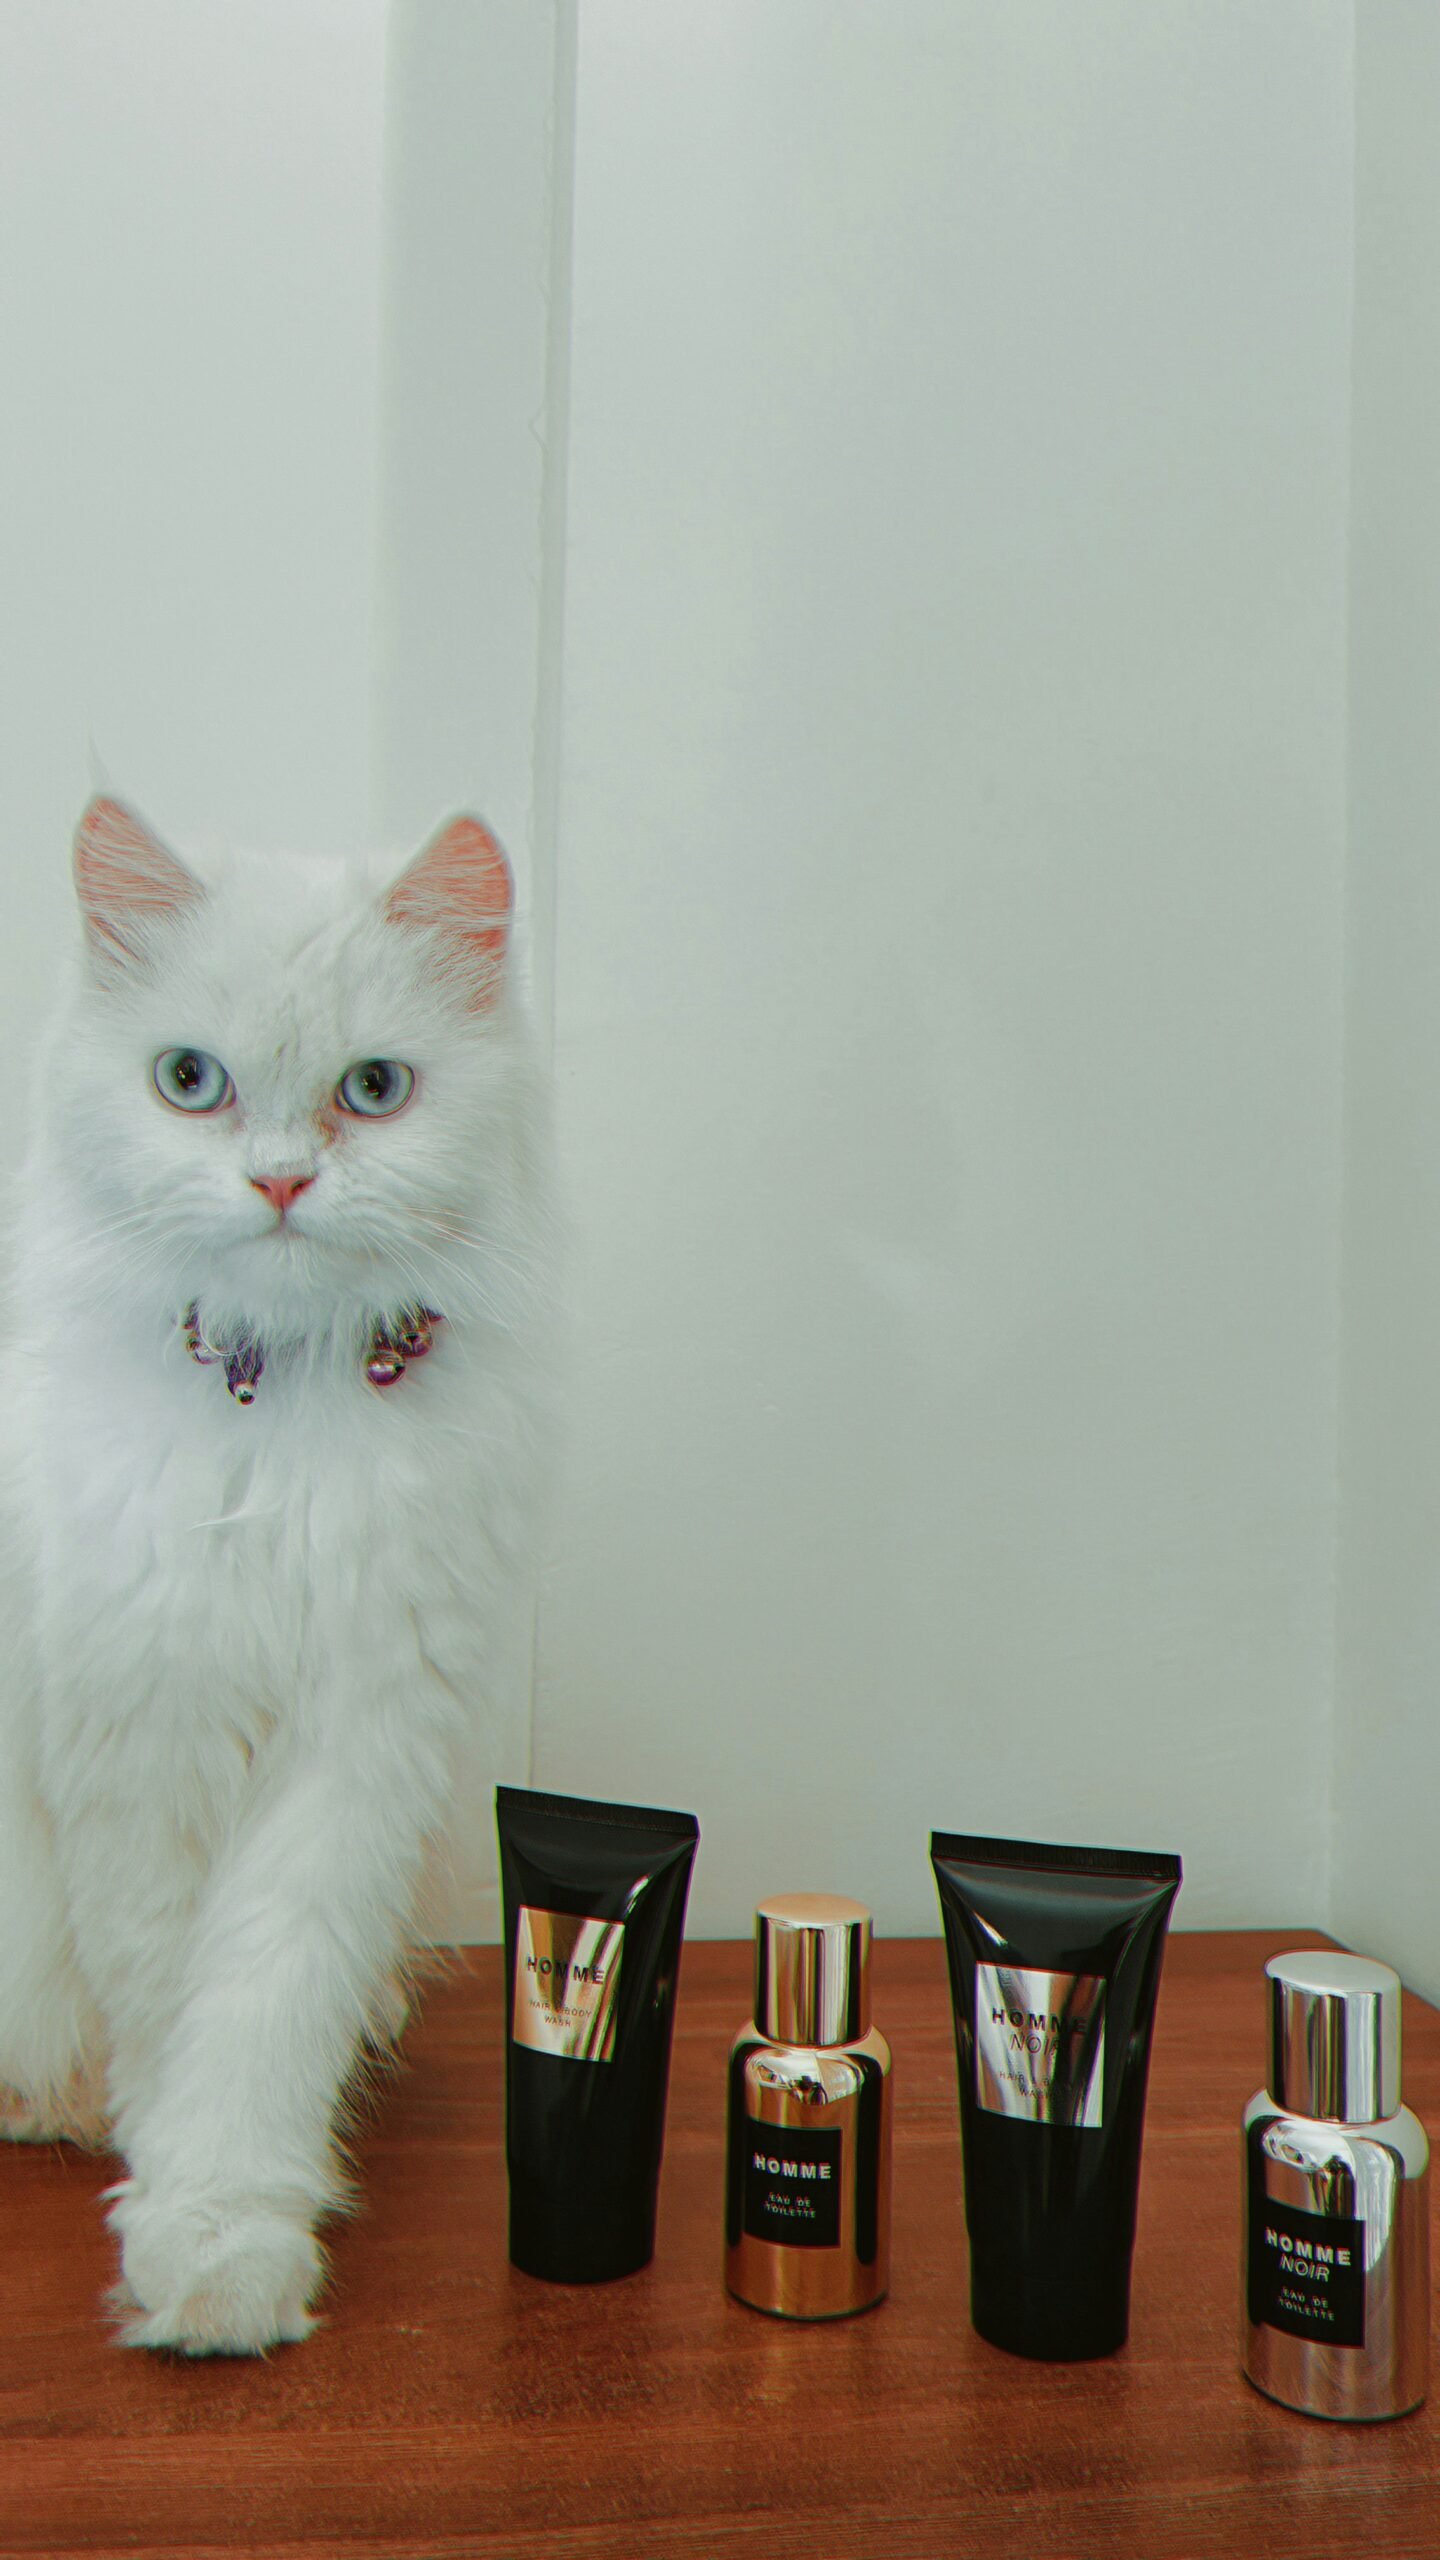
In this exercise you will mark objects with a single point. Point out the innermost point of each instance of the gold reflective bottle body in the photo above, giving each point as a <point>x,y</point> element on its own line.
<point>808,2205</point>
<point>807,2182</point>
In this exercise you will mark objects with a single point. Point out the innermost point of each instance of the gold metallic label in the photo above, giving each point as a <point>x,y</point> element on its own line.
<point>567,1975</point>
<point>1040,2044</point>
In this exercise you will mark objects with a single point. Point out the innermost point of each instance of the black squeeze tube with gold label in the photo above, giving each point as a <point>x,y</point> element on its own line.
<point>1055,1958</point>
<point>594,1900</point>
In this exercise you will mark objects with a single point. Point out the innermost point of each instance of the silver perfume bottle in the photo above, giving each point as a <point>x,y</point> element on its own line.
<point>1336,2248</point>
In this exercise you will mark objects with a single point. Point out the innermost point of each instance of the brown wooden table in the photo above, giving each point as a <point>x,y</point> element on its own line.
<point>451,2407</point>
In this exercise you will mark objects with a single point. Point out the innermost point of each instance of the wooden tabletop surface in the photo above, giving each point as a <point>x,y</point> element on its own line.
<point>450,2407</point>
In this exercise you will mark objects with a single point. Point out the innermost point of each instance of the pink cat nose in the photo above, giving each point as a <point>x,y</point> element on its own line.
<point>281,1188</point>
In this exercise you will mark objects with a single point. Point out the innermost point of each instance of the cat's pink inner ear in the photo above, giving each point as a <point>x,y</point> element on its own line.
<point>125,878</point>
<point>461,886</point>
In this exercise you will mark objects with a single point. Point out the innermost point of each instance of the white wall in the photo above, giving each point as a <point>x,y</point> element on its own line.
<point>189,307</point>
<point>1388,1761</point>
<point>472,439</point>
<point>949,935</point>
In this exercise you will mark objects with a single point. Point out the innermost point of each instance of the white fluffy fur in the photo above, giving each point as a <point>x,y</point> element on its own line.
<point>243,1646</point>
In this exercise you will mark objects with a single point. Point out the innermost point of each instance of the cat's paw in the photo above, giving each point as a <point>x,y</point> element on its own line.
<point>227,2278</point>
<point>75,2113</point>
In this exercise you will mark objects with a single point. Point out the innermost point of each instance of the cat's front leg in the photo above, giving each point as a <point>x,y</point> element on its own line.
<point>52,2076</point>
<point>233,2156</point>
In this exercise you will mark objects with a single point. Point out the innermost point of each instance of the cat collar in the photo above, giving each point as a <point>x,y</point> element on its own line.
<point>390,1347</point>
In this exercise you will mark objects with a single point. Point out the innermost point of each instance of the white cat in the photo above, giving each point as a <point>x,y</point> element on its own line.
<point>258,1534</point>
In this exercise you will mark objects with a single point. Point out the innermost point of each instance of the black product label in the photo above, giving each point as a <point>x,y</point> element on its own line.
<point>1307,2273</point>
<point>792,2186</point>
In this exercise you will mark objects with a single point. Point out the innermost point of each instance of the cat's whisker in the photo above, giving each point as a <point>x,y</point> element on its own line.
<point>419,1285</point>
<point>447,1238</point>
<point>139,1220</point>
<point>465,1288</point>
<point>488,1245</point>
<point>142,1253</point>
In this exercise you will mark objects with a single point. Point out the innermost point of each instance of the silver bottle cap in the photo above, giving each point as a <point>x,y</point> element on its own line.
<point>812,1959</point>
<point>1334,2036</point>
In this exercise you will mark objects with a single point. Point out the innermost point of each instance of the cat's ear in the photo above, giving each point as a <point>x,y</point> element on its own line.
<point>126,882</point>
<point>460,887</point>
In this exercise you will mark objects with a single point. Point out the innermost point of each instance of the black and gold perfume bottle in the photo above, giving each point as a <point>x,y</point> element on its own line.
<point>807,2206</point>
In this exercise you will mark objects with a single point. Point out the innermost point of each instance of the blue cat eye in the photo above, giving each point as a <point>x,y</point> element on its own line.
<point>375,1088</point>
<point>191,1080</point>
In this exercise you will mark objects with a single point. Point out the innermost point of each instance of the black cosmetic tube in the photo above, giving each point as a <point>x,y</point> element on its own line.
<point>1055,1961</point>
<point>594,1911</point>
